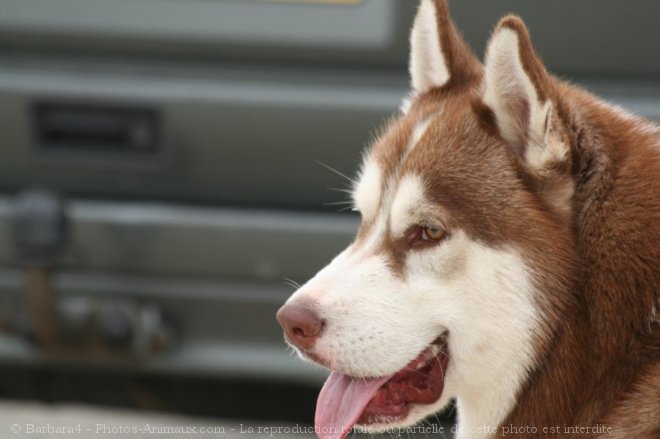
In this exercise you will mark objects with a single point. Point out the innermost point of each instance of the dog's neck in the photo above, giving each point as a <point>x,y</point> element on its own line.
<point>599,348</point>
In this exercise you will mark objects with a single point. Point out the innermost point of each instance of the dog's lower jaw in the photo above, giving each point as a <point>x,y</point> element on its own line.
<point>480,409</point>
<point>417,414</point>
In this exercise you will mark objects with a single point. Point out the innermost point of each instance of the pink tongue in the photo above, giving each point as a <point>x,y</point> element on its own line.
<point>341,402</point>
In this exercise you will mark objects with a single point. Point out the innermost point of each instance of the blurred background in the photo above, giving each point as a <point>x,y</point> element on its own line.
<point>170,168</point>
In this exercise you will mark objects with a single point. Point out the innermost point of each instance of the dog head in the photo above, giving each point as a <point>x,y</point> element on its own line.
<point>446,291</point>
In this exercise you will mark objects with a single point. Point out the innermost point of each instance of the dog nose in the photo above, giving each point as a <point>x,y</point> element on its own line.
<point>301,324</point>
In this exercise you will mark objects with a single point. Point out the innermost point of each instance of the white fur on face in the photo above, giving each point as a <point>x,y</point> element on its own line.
<point>428,67</point>
<point>483,298</point>
<point>367,191</point>
<point>377,321</point>
<point>410,206</point>
<point>491,344</point>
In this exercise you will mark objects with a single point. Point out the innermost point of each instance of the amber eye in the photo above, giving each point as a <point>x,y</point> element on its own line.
<point>432,233</point>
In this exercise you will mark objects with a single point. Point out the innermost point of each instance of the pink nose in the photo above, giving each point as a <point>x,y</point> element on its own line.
<point>301,324</point>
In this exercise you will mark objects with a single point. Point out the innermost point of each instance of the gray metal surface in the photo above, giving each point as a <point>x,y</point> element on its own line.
<point>235,136</point>
<point>347,24</point>
<point>170,240</point>
<point>322,30</point>
<point>250,96</point>
<point>588,37</point>
<point>217,272</point>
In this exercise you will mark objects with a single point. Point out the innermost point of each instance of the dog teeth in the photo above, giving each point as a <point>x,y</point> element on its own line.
<point>428,357</point>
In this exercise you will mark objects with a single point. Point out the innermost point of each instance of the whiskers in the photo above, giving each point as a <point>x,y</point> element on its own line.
<point>347,204</point>
<point>291,283</point>
<point>442,369</point>
<point>337,172</point>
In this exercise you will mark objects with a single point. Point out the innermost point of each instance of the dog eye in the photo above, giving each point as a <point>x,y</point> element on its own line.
<point>433,234</point>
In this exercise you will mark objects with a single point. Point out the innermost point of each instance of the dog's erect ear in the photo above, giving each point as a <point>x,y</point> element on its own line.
<point>438,54</point>
<point>520,92</point>
<point>524,100</point>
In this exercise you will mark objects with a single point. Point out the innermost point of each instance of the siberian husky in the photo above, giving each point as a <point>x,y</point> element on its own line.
<point>508,257</point>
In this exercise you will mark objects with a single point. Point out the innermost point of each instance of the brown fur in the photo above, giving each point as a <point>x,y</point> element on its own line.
<point>597,254</point>
<point>463,66</point>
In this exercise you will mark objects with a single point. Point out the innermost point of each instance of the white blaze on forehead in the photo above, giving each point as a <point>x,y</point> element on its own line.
<point>410,199</point>
<point>367,191</point>
<point>418,133</point>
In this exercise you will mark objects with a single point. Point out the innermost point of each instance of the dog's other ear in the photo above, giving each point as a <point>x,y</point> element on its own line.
<point>524,100</point>
<point>438,54</point>
<point>520,92</point>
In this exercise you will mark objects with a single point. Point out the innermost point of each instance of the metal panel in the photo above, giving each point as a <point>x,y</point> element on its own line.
<point>238,136</point>
<point>365,23</point>
<point>588,37</point>
<point>361,26</point>
<point>174,241</point>
<point>226,328</point>
<point>246,112</point>
<point>218,273</point>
